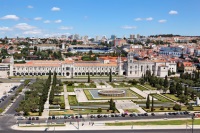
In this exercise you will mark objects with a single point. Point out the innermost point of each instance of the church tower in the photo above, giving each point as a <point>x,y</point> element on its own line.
<point>119,63</point>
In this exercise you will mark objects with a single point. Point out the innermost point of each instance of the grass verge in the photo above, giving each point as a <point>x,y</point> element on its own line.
<point>164,122</point>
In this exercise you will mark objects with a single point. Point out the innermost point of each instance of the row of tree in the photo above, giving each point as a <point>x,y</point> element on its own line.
<point>44,96</point>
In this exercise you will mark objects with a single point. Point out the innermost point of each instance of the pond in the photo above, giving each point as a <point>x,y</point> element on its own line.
<point>128,94</point>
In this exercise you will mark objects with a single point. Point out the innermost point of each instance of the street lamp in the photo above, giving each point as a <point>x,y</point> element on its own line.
<point>78,109</point>
<point>193,115</point>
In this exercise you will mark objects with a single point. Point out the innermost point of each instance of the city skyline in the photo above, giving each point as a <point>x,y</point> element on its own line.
<point>55,18</point>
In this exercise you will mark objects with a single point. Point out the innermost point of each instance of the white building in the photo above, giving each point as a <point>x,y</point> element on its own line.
<point>137,68</point>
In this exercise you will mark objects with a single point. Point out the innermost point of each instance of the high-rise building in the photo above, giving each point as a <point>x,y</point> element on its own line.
<point>138,36</point>
<point>76,36</point>
<point>97,38</point>
<point>113,37</point>
<point>132,36</point>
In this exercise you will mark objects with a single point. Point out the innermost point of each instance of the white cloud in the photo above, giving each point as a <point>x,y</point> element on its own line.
<point>5,29</point>
<point>162,21</point>
<point>29,6</point>
<point>65,28</point>
<point>149,19</point>
<point>138,19</point>
<point>32,32</point>
<point>24,26</point>
<point>58,21</point>
<point>129,27</point>
<point>172,12</point>
<point>12,17</point>
<point>55,9</point>
<point>47,21</point>
<point>38,18</point>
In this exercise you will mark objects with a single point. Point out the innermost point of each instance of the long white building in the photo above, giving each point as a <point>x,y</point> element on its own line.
<point>70,68</point>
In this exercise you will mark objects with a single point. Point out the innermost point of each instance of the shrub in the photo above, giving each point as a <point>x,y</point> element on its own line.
<point>162,108</point>
<point>99,110</point>
<point>190,107</point>
<point>177,107</point>
<point>62,105</point>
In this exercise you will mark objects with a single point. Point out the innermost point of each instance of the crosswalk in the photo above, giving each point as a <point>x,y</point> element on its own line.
<point>8,114</point>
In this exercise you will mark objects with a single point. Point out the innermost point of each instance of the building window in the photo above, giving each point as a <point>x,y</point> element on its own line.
<point>130,61</point>
<point>141,68</point>
<point>135,67</point>
<point>135,72</point>
<point>130,72</point>
<point>130,67</point>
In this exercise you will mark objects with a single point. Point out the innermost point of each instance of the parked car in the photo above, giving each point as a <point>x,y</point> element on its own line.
<point>20,118</point>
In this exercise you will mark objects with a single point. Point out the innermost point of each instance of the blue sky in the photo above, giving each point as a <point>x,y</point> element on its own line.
<point>44,18</point>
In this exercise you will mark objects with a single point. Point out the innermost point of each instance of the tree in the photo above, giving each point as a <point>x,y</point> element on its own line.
<point>172,88</point>
<point>110,78</point>
<point>192,95</point>
<point>148,102</point>
<point>88,77</point>
<point>152,105</point>
<point>190,107</point>
<point>99,110</point>
<point>112,105</point>
<point>166,82</point>
<point>179,89</point>
<point>177,107</point>
<point>169,73</point>
<point>186,91</point>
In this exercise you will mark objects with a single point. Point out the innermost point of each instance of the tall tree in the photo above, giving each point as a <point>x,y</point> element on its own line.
<point>152,105</point>
<point>110,78</point>
<point>172,88</point>
<point>148,102</point>
<point>166,82</point>
<point>111,103</point>
<point>88,77</point>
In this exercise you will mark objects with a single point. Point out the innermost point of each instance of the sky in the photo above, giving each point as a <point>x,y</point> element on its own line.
<point>46,18</point>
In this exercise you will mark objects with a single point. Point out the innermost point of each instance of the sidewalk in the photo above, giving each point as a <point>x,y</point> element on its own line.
<point>67,106</point>
<point>101,126</point>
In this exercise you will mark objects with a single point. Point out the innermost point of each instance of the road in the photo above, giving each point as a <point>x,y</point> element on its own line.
<point>6,102</point>
<point>43,120</point>
<point>110,131</point>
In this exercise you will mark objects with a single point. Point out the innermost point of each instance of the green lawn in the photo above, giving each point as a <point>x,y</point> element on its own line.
<point>139,96</point>
<point>121,84</point>
<point>164,122</point>
<point>70,88</point>
<point>172,96</point>
<point>42,125</point>
<point>140,87</point>
<point>59,97</point>
<point>150,87</point>
<point>131,110</point>
<point>88,95</point>
<point>80,111</point>
<point>129,94</point>
<point>72,100</point>
<point>160,98</point>
<point>61,88</point>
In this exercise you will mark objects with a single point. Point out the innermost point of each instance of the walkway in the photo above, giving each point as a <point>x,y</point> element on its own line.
<point>45,112</point>
<point>127,104</point>
<point>67,106</point>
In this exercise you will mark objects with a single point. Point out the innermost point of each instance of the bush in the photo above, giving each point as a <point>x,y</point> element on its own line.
<point>162,108</point>
<point>177,107</point>
<point>99,110</point>
<point>62,105</point>
<point>190,107</point>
